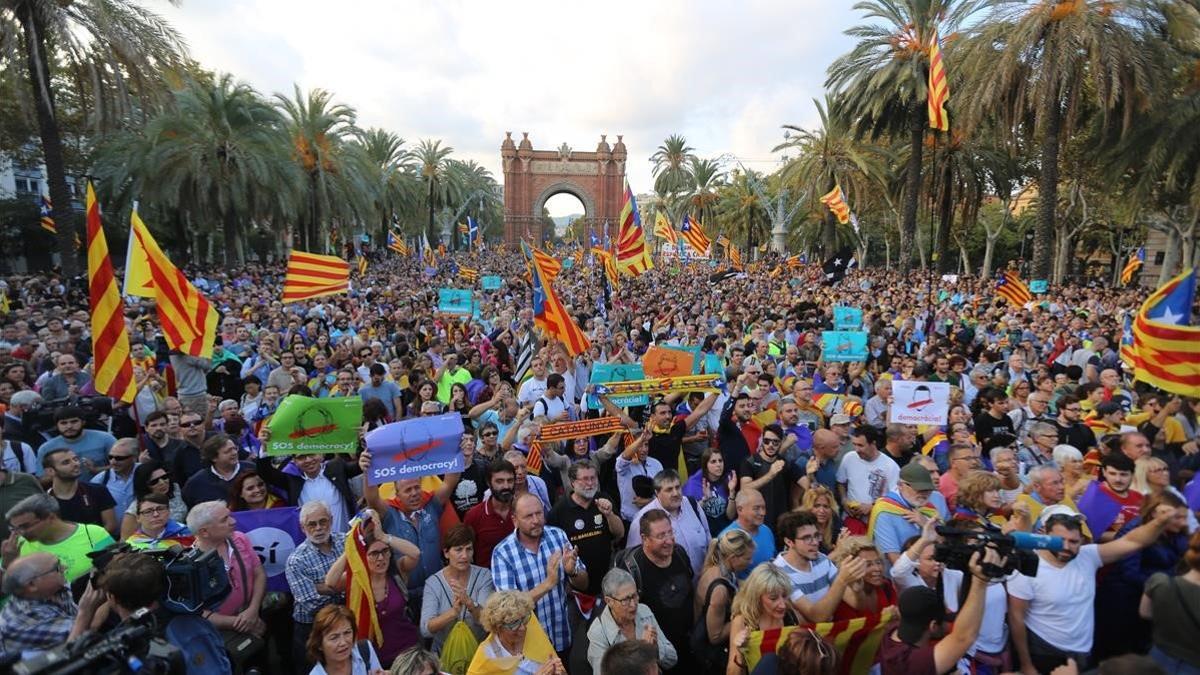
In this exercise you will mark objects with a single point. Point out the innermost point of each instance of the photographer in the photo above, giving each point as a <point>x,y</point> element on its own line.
<point>133,581</point>
<point>1052,614</point>
<point>909,650</point>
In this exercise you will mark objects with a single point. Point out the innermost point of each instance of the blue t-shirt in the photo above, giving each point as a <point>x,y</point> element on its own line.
<point>91,444</point>
<point>387,392</point>
<point>426,537</point>
<point>764,546</point>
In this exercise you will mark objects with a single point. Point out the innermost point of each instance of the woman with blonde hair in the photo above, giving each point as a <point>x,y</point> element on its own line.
<point>819,500</point>
<point>870,594</point>
<point>516,643</point>
<point>979,500</point>
<point>760,604</point>
<point>728,555</point>
<point>1152,476</point>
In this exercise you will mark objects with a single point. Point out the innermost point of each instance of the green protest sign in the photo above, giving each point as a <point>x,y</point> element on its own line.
<point>304,425</point>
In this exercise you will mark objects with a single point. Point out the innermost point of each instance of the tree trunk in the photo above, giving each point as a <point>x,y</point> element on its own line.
<point>989,250</point>
<point>1044,229</point>
<point>1065,243</point>
<point>430,231</point>
<point>52,150</point>
<point>912,188</point>
<point>230,233</point>
<point>946,219</point>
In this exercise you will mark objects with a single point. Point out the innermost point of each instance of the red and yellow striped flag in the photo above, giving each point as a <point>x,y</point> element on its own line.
<point>113,374</point>
<point>663,229</point>
<point>359,597</point>
<point>632,254</point>
<point>548,264</point>
<point>857,640</point>
<point>735,257</point>
<point>1167,345</point>
<point>836,202</point>
<point>468,274</point>
<point>939,87</point>
<point>693,234</point>
<point>189,321</point>
<point>1011,288</point>
<point>550,315</point>
<point>312,276</point>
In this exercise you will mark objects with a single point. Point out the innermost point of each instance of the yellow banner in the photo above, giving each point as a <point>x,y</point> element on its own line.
<point>857,640</point>
<point>661,385</point>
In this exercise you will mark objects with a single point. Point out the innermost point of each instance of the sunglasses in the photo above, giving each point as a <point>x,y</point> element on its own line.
<point>157,479</point>
<point>118,458</point>
<point>186,425</point>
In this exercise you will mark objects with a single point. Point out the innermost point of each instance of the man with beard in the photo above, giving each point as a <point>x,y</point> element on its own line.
<point>817,585</point>
<point>492,519</point>
<point>865,475</point>
<point>1071,430</point>
<point>538,559</point>
<point>1109,504</point>
<point>90,445</point>
<point>737,428</point>
<point>159,444</point>
<point>188,459</point>
<point>589,520</point>
<point>771,475</point>
<point>901,513</point>
<point>78,501</point>
<point>1052,614</point>
<point>305,572</point>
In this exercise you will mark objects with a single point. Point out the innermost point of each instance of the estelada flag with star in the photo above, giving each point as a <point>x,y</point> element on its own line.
<point>835,268</point>
<point>1166,344</point>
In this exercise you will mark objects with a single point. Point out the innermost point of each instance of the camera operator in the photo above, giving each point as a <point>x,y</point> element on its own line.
<point>133,581</point>
<point>40,612</point>
<point>909,650</point>
<point>1052,614</point>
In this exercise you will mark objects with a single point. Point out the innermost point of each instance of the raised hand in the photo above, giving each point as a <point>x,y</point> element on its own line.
<point>605,506</point>
<point>649,634</point>
<point>553,565</point>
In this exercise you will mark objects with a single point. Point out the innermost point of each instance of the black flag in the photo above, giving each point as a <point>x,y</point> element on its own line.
<point>836,267</point>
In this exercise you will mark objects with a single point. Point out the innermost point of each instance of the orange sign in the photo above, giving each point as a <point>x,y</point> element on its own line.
<point>664,362</point>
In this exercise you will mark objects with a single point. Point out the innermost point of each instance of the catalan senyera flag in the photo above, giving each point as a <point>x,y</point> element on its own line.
<point>1166,344</point>
<point>189,321</point>
<point>836,202</point>
<point>462,228</point>
<point>548,264</point>
<point>359,597</point>
<point>113,375</point>
<point>939,87</point>
<point>693,234</point>
<point>1010,287</point>
<point>722,241</point>
<point>312,276</point>
<point>47,215</point>
<point>578,257</point>
<point>857,640</point>
<point>663,229</point>
<point>794,261</point>
<point>1135,263</point>
<point>552,317</point>
<point>632,254</point>
<point>735,257</point>
<point>427,252</point>
<point>362,265</point>
<point>468,274</point>
<point>610,266</point>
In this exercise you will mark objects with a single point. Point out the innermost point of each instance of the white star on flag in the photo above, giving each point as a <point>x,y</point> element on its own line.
<point>1169,316</point>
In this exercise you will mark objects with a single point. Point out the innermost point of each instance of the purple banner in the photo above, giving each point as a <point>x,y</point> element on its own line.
<point>423,446</point>
<point>275,533</point>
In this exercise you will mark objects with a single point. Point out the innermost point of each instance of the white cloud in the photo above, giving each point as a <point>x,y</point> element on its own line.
<point>725,75</point>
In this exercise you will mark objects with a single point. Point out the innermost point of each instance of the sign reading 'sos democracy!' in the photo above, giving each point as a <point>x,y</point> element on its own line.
<point>424,446</point>
<point>304,425</point>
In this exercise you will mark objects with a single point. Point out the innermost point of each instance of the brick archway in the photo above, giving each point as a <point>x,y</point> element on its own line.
<point>531,177</point>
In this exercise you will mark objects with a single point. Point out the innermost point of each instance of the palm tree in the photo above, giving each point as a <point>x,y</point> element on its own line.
<point>109,40</point>
<point>319,130</point>
<point>882,81</point>
<point>830,155</point>
<point>671,162</point>
<point>1048,61</point>
<point>391,173</point>
<point>740,213</point>
<point>707,177</point>
<point>432,160</point>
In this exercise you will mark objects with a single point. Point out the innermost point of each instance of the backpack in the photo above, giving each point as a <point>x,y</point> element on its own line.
<point>201,644</point>
<point>629,559</point>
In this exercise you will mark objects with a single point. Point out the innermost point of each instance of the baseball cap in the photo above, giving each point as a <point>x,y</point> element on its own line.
<point>839,418</point>
<point>918,606</point>
<point>1108,408</point>
<point>917,477</point>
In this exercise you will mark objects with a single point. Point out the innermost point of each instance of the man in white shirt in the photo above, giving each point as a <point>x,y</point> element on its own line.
<point>817,585</point>
<point>535,387</point>
<point>1052,614</point>
<point>866,474</point>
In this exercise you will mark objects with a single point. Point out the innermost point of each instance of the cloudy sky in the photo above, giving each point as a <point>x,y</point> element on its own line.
<point>725,75</point>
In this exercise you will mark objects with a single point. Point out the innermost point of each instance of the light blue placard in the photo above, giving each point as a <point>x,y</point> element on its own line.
<point>714,364</point>
<point>844,345</point>
<point>847,318</point>
<point>454,301</point>
<point>492,283</point>
<point>1038,286</point>
<point>617,372</point>
<point>568,263</point>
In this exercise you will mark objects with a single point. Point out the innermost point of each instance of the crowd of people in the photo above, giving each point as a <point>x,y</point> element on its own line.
<point>786,500</point>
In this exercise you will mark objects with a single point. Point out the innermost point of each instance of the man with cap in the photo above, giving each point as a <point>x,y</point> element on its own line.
<point>900,514</point>
<point>911,650</point>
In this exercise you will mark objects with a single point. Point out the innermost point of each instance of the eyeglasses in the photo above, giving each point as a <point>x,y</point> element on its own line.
<point>515,625</point>
<point>627,600</point>
<point>56,567</point>
<point>770,441</point>
<point>153,511</point>
<point>119,458</point>
<point>379,553</point>
<point>809,538</point>
<point>25,527</point>
<point>487,434</point>
<point>158,479</point>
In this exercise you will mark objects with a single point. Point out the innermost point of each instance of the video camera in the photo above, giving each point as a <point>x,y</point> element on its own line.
<point>131,647</point>
<point>92,409</point>
<point>196,580</point>
<point>958,545</point>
